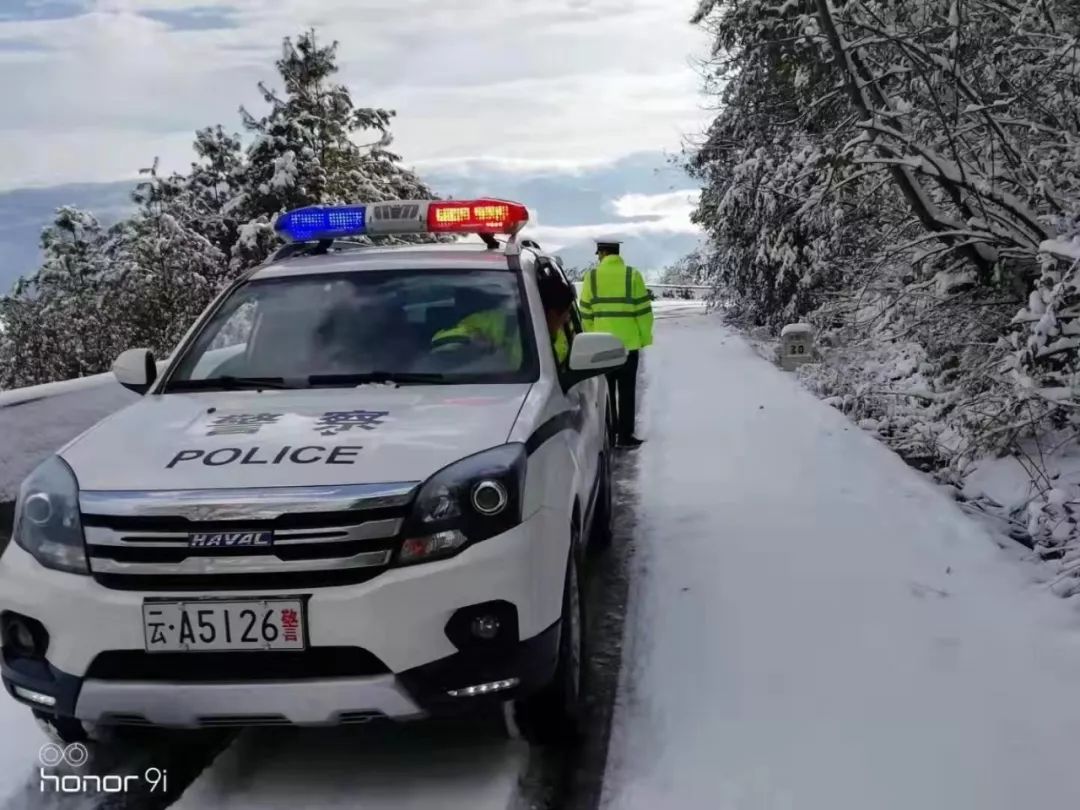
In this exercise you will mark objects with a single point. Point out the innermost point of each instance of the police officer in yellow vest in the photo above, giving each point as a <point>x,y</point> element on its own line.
<point>489,329</point>
<point>614,299</point>
<point>497,328</point>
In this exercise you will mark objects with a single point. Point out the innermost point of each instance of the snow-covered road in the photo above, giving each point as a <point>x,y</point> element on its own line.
<point>815,626</point>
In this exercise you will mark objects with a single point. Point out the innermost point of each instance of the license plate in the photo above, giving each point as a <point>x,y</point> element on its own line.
<point>210,625</point>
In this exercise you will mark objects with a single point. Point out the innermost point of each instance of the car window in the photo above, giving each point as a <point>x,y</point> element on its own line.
<point>465,326</point>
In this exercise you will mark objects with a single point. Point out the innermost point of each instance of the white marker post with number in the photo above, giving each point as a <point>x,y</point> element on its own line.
<point>796,345</point>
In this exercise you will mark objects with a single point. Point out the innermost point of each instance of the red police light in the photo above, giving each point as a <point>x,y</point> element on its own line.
<point>476,216</point>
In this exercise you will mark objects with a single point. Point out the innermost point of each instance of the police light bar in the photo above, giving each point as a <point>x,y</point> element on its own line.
<point>318,222</point>
<point>322,222</point>
<point>477,216</point>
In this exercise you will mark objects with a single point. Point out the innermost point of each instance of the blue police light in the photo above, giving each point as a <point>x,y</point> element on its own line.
<point>322,222</point>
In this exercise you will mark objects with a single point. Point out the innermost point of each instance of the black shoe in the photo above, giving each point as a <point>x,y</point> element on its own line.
<point>631,442</point>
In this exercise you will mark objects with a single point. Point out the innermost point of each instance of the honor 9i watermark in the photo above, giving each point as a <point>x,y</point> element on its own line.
<point>77,756</point>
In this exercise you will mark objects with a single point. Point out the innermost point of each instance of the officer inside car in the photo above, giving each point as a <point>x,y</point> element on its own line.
<point>496,329</point>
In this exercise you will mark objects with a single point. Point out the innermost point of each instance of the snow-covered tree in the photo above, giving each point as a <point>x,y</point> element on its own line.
<point>56,323</point>
<point>143,281</point>
<point>305,151</point>
<point>905,174</point>
<point>170,270</point>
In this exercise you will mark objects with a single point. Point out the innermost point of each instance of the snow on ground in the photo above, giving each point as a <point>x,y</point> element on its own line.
<point>814,625</point>
<point>408,767</point>
<point>20,740</point>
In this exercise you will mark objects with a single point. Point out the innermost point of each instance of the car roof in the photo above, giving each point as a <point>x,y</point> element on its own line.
<point>392,257</point>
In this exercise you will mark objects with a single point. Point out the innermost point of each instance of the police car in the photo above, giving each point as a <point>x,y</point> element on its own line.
<point>314,517</point>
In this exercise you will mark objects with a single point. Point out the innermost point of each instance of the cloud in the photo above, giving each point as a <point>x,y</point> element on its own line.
<point>672,208</point>
<point>572,81</point>
<point>642,215</point>
<point>32,158</point>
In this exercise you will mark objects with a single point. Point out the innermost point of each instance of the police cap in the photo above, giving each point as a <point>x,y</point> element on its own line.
<point>608,245</point>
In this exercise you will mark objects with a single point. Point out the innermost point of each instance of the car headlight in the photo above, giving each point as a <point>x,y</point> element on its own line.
<point>47,523</point>
<point>469,501</point>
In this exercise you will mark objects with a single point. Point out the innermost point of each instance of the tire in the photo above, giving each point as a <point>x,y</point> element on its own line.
<point>552,715</point>
<point>600,533</point>
<point>64,730</point>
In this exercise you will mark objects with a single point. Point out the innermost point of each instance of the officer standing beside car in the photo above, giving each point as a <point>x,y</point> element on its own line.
<point>614,299</point>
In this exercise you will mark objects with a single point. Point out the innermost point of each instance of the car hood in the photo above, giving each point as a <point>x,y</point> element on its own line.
<point>311,437</point>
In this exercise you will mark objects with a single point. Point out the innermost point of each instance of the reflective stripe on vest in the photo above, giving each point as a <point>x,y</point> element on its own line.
<point>624,306</point>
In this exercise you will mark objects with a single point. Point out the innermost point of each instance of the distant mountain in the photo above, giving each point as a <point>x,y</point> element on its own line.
<point>562,197</point>
<point>569,207</point>
<point>651,253</point>
<point>568,203</point>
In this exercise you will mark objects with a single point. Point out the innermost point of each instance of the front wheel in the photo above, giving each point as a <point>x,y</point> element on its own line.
<point>552,715</point>
<point>601,533</point>
<point>63,730</point>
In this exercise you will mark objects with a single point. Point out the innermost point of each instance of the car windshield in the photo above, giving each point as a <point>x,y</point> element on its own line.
<point>432,327</point>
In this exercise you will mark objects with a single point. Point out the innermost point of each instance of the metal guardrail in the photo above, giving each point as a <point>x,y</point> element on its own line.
<point>678,286</point>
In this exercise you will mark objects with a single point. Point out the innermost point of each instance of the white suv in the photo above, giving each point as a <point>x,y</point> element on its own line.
<point>321,512</point>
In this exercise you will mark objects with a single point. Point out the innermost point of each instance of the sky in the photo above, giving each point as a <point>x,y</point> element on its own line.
<point>97,88</point>
<point>558,98</point>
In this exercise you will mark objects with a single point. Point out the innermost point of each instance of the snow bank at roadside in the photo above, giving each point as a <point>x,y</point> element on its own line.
<point>814,625</point>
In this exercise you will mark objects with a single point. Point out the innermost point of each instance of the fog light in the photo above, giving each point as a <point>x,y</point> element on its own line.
<point>485,688</point>
<point>489,498</point>
<point>23,636</point>
<point>485,627</point>
<point>30,696</point>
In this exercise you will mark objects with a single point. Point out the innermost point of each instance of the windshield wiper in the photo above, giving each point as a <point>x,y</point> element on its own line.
<point>397,377</point>
<point>230,383</point>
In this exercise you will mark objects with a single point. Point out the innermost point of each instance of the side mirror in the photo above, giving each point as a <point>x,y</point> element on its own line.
<point>593,354</point>
<point>136,370</point>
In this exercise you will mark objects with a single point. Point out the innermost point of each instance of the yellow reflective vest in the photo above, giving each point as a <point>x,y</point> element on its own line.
<point>495,327</point>
<point>561,346</point>
<point>491,326</point>
<point>614,299</point>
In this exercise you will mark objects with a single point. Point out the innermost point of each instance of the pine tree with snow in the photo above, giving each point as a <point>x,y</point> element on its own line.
<point>56,323</point>
<point>906,175</point>
<point>304,152</point>
<point>142,282</point>
<point>171,271</point>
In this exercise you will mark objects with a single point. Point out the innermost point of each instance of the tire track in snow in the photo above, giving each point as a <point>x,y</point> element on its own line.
<point>572,779</point>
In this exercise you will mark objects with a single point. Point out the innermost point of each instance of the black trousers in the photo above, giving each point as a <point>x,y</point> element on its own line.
<point>622,387</point>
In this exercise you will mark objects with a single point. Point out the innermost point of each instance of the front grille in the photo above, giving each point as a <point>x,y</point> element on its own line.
<point>321,537</point>
<point>227,667</point>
